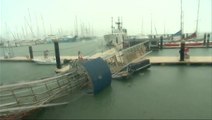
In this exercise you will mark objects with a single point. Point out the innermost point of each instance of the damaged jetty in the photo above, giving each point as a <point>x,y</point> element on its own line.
<point>18,100</point>
<point>92,75</point>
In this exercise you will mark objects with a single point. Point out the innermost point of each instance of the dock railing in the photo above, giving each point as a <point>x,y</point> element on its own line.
<point>38,92</point>
<point>119,60</point>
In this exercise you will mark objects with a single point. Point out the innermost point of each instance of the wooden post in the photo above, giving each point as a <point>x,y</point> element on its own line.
<point>205,37</point>
<point>182,48</point>
<point>208,40</point>
<point>30,52</point>
<point>161,42</point>
<point>57,54</point>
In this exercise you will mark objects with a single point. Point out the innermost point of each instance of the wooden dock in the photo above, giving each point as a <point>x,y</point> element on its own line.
<point>15,59</point>
<point>175,60</point>
<point>178,47</point>
<point>26,59</point>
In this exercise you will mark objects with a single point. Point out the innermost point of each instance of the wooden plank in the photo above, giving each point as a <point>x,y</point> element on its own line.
<point>175,60</point>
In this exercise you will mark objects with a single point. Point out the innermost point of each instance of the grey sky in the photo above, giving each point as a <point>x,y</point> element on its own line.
<point>60,14</point>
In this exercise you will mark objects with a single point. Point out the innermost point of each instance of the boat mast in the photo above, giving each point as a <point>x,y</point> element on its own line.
<point>76,26</point>
<point>112,25</point>
<point>164,28</point>
<point>38,29</point>
<point>181,17</point>
<point>118,23</point>
<point>142,27</point>
<point>151,25</point>
<point>44,29</point>
<point>121,22</point>
<point>197,16</point>
<point>30,24</point>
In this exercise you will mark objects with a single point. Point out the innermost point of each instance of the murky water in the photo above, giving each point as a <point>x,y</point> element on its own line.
<point>161,92</point>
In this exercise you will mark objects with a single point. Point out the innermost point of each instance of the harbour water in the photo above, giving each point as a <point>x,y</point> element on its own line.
<point>161,92</point>
<point>180,92</point>
<point>31,71</point>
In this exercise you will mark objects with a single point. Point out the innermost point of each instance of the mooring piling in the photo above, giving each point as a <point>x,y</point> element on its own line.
<point>161,42</point>
<point>57,52</point>
<point>208,40</point>
<point>204,41</point>
<point>31,52</point>
<point>182,48</point>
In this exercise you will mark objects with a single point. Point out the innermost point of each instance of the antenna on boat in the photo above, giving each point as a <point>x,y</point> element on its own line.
<point>44,29</point>
<point>112,25</point>
<point>151,24</point>
<point>76,26</point>
<point>142,26</point>
<point>197,16</point>
<point>118,23</point>
<point>121,22</point>
<point>164,28</point>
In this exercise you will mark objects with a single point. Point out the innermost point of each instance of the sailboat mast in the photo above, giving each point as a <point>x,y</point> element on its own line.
<point>112,25</point>
<point>197,16</point>
<point>44,29</point>
<point>76,26</point>
<point>151,24</point>
<point>121,23</point>
<point>142,26</point>
<point>181,17</point>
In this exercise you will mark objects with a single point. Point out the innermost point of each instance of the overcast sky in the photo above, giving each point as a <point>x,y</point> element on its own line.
<point>136,15</point>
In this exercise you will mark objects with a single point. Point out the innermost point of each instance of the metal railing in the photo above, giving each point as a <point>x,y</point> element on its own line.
<point>38,92</point>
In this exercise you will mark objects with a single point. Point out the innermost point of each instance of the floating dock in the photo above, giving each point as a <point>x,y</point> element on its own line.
<point>175,60</point>
<point>15,59</point>
<point>26,59</point>
<point>177,47</point>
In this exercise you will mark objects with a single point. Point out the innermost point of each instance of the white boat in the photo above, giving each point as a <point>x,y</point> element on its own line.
<point>117,37</point>
<point>45,61</point>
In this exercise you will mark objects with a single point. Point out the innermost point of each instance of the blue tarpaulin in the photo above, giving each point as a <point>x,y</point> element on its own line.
<point>99,72</point>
